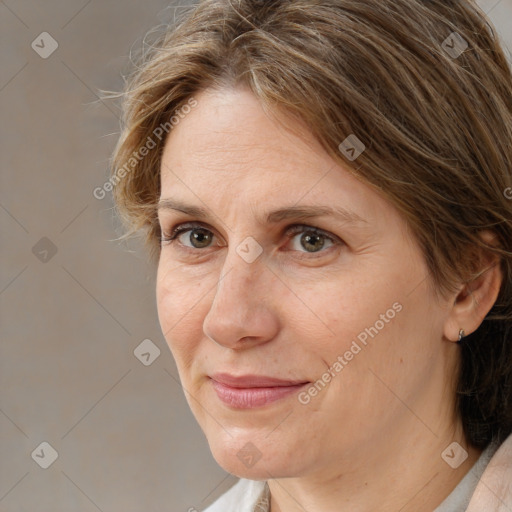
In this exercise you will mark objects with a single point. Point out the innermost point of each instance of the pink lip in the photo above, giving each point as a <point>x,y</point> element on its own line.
<point>249,391</point>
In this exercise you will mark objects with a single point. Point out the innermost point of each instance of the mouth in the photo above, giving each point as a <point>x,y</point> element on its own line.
<point>251,391</point>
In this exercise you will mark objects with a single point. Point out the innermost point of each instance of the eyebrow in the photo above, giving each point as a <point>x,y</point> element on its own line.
<point>275,216</point>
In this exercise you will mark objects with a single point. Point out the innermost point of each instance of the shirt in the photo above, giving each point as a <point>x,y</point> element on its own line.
<point>487,486</point>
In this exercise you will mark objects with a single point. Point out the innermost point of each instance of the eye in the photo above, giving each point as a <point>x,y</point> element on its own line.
<point>303,239</point>
<point>192,236</point>
<point>311,239</point>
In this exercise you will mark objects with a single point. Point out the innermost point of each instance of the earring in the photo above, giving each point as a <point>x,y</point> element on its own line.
<point>461,335</point>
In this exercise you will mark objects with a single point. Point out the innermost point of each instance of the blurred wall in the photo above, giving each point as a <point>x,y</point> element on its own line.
<point>75,305</point>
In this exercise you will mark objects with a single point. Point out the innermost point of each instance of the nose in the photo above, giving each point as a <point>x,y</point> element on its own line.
<point>242,313</point>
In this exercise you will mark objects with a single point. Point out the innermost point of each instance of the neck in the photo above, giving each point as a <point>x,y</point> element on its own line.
<point>408,474</point>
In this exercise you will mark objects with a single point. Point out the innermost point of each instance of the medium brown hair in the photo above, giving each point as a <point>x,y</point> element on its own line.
<point>437,127</point>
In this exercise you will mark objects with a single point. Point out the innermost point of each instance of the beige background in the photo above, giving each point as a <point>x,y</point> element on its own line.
<point>122,430</point>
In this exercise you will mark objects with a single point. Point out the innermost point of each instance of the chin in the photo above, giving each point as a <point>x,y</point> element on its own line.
<point>245,455</point>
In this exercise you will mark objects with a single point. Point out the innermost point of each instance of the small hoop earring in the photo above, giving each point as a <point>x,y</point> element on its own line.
<point>461,335</point>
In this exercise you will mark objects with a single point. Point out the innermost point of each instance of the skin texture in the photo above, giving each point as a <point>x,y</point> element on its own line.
<point>372,438</point>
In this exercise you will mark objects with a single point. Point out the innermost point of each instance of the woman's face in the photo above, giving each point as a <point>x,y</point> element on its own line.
<point>295,302</point>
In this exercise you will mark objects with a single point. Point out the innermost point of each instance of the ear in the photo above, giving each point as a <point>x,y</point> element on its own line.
<point>476,298</point>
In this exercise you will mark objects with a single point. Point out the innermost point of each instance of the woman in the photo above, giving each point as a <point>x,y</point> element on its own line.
<point>326,188</point>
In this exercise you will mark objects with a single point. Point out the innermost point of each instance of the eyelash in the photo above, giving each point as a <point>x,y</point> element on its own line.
<point>291,231</point>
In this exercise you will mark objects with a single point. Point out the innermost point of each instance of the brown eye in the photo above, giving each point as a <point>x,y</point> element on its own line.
<point>199,238</point>
<point>310,240</point>
<point>190,236</point>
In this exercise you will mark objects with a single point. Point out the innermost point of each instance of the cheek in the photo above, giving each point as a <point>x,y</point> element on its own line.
<point>178,290</point>
<point>383,334</point>
<point>347,304</point>
<point>371,321</point>
<point>181,301</point>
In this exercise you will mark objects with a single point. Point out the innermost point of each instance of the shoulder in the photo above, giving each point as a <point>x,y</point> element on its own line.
<point>242,497</point>
<point>493,492</point>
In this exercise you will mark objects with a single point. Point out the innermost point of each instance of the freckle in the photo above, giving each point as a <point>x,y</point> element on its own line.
<point>401,360</point>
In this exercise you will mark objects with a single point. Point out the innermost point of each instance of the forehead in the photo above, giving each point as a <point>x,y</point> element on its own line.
<point>228,147</point>
<point>229,131</point>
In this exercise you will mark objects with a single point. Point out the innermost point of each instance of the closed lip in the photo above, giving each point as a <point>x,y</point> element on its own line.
<point>253,381</point>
